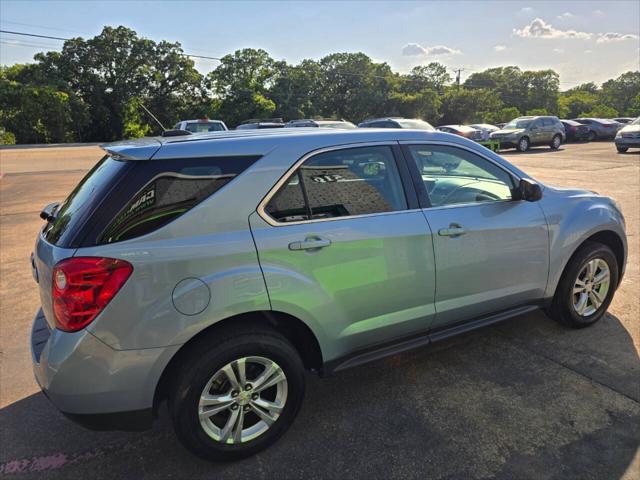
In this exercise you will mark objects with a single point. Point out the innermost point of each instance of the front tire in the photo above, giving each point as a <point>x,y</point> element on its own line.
<point>556,142</point>
<point>587,286</point>
<point>592,136</point>
<point>236,393</point>
<point>523,144</point>
<point>622,149</point>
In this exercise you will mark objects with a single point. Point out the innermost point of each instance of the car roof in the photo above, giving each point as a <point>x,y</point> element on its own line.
<point>201,120</point>
<point>259,142</point>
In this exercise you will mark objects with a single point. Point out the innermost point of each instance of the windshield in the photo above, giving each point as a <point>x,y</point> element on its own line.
<point>513,124</point>
<point>197,127</point>
<point>417,124</point>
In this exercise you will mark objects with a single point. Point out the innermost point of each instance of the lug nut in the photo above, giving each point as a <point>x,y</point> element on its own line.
<point>254,396</point>
<point>234,394</point>
<point>248,386</point>
<point>234,406</point>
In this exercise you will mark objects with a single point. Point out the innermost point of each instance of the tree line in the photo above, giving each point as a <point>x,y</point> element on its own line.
<point>92,90</point>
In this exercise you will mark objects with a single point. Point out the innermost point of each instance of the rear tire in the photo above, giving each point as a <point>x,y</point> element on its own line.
<point>622,149</point>
<point>556,142</point>
<point>592,136</point>
<point>580,300</point>
<point>523,144</point>
<point>204,373</point>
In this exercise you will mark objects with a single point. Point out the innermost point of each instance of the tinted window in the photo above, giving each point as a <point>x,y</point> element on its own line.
<point>455,176</point>
<point>119,200</point>
<point>82,200</point>
<point>547,122</point>
<point>341,183</point>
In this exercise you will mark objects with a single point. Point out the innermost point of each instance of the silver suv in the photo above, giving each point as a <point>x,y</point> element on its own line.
<point>212,271</point>
<point>524,132</point>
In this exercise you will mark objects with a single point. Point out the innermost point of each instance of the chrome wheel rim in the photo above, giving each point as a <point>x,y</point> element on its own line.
<point>242,400</point>
<point>556,142</point>
<point>591,287</point>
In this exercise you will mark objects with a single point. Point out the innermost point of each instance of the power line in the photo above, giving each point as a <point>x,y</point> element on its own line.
<point>24,34</point>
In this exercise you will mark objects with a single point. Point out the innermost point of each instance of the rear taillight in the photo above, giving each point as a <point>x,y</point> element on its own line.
<point>83,286</point>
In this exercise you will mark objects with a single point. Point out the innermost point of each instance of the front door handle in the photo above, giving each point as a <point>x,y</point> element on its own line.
<point>454,230</point>
<point>311,243</point>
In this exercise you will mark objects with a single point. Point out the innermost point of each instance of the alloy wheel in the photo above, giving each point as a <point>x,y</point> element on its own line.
<point>591,287</point>
<point>242,400</point>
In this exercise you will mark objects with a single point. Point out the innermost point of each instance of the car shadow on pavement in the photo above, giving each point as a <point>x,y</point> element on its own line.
<point>522,399</point>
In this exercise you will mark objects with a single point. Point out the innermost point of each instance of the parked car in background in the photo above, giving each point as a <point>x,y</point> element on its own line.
<point>575,131</point>
<point>319,123</point>
<point>212,271</point>
<point>261,123</point>
<point>600,128</point>
<point>396,122</point>
<point>624,120</point>
<point>201,125</point>
<point>500,125</point>
<point>486,129</point>
<point>628,136</point>
<point>524,132</point>
<point>462,130</point>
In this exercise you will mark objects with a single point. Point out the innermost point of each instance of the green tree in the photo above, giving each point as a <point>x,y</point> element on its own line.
<point>463,106</point>
<point>502,115</point>
<point>295,91</point>
<point>241,83</point>
<point>572,103</point>
<point>433,77</point>
<point>621,93</point>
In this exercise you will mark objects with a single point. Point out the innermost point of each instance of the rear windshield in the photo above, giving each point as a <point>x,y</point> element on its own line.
<point>120,200</point>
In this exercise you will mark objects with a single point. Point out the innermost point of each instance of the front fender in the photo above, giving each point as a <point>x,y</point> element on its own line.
<point>573,217</point>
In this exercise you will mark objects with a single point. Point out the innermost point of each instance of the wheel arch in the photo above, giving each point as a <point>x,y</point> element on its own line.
<point>606,237</point>
<point>293,329</point>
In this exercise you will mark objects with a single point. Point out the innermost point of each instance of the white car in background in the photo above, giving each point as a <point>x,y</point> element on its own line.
<point>486,129</point>
<point>201,125</point>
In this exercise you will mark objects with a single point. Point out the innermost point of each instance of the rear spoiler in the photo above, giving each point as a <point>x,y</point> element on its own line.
<point>142,149</point>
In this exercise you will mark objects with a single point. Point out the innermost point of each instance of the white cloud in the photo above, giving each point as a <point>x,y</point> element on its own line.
<point>558,50</point>
<point>500,48</point>
<point>526,10</point>
<point>538,28</point>
<point>415,49</point>
<point>615,37</point>
<point>588,51</point>
<point>598,13</point>
<point>565,16</point>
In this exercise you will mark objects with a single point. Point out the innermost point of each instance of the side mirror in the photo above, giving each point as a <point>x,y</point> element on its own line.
<point>528,190</point>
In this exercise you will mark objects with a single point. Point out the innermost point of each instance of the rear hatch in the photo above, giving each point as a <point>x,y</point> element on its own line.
<point>66,224</point>
<point>123,198</point>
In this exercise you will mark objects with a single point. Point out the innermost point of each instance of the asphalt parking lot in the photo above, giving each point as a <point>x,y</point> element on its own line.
<point>522,399</point>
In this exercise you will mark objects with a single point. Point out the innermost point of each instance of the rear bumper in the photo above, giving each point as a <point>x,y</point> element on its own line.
<point>94,384</point>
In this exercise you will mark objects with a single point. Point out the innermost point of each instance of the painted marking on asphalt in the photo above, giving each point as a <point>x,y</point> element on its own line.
<point>59,460</point>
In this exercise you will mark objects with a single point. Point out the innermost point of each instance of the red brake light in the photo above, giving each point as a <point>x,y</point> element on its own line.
<point>83,286</point>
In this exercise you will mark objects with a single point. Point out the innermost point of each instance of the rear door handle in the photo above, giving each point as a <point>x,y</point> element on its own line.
<point>310,244</point>
<point>454,230</point>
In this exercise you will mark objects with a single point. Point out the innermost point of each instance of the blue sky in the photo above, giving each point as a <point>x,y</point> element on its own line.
<point>582,40</point>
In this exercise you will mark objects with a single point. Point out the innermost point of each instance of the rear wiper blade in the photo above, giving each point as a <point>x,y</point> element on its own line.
<point>49,212</point>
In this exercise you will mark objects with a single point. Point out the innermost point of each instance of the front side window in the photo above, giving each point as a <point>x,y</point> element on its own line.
<point>455,176</point>
<point>340,183</point>
<point>198,127</point>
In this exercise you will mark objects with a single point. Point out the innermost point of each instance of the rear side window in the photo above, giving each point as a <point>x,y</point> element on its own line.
<point>137,197</point>
<point>340,183</point>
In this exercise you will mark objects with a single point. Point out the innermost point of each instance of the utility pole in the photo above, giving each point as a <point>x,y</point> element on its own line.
<point>458,72</point>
